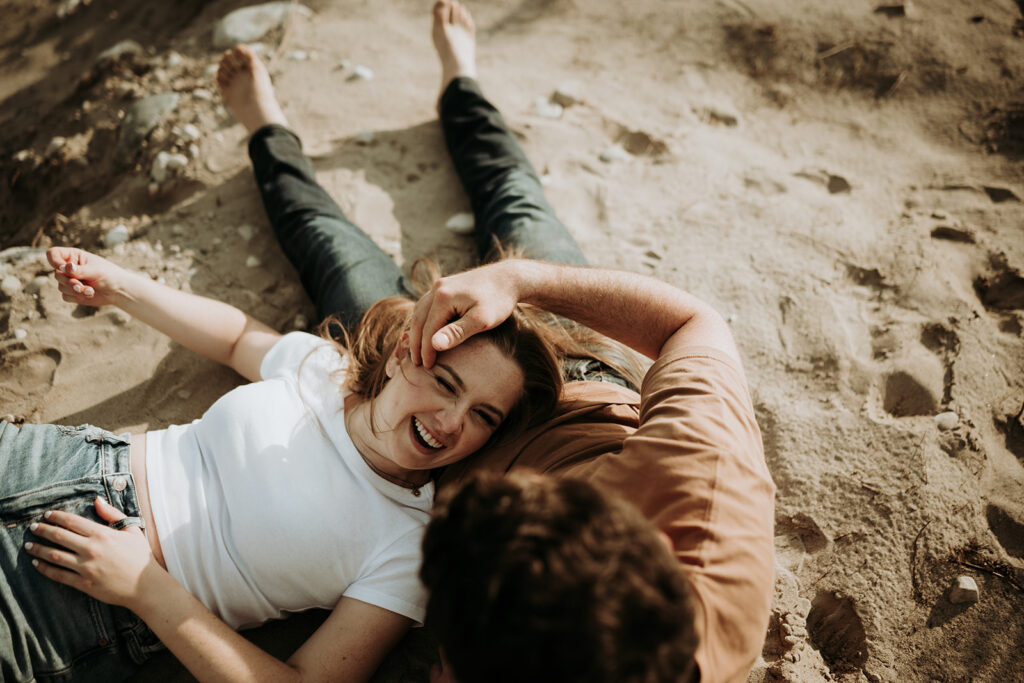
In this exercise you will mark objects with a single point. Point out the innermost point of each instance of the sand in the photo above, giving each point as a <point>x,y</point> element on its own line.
<point>844,184</point>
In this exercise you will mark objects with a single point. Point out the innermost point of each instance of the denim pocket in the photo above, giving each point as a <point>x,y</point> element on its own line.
<point>53,626</point>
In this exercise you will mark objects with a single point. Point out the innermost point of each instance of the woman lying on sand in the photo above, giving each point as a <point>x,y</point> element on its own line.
<point>241,509</point>
<point>308,488</point>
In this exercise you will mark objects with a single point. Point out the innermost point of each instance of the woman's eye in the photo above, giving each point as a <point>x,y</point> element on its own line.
<point>487,418</point>
<point>441,382</point>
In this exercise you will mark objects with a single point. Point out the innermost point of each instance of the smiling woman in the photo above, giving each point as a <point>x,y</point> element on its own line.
<point>343,432</point>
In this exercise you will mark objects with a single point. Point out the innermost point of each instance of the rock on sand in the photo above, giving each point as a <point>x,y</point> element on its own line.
<point>252,23</point>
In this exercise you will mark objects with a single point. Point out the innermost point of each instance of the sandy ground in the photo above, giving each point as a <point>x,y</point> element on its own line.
<point>843,183</point>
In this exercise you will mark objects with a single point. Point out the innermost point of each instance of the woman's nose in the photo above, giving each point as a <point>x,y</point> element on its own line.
<point>450,419</point>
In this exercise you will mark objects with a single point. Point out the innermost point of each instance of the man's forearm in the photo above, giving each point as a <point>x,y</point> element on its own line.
<point>639,311</point>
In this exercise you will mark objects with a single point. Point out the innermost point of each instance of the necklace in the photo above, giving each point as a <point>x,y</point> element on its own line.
<point>404,483</point>
<point>398,481</point>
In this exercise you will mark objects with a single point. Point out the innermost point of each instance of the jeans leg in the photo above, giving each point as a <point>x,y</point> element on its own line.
<point>504,189</point>
<point>342,269</point>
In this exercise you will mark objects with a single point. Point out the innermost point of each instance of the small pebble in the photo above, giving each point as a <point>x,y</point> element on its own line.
<point>216,241</point>
<point>252,262</point>
<point>940,214</point>
<point>184,394</point>
<point>202,94</point>
<point>298,56</point>
<point>56,145</point>
<point>173,60</point>
<point>119,234</point>
<point>22,155</point>
<point>301,322</point>
<point>120,317</point>
<point>946,421</point>
<point>10,286</point>
<point>343,64</point>
<point>37,284</point>
<point>547,109</point>
<point>20,333</point>
<point>246,232</point>
<point>190,131</point>
<point>965,589</point>
<point>361,73</point>
<point>461,223</point>
<point>211,70</point>
<point>614,153</point>
<point>567,94</point>
<point>178,229</point>
<point>364,137</point>
<point>193,150</point>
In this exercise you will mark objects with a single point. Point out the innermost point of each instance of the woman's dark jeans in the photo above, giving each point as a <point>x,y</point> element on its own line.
<point>345,272</point>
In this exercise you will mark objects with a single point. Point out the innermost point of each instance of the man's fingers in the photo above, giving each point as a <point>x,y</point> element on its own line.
<point>453,334</point>
<point>419,316</point>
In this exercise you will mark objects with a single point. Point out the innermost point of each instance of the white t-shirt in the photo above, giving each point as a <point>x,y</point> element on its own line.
<point>263,506</point>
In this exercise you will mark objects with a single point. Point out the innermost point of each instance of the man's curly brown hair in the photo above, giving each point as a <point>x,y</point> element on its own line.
<point>533,578</point>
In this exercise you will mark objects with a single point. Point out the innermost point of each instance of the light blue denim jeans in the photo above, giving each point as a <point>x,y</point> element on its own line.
<point>49,631</point>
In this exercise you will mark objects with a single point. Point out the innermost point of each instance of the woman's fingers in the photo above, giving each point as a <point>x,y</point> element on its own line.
<point>65,576</point>
<point>54,556</point>
<point>72,522</point>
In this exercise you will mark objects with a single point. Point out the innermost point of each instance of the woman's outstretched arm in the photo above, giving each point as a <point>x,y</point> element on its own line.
<point>117,567</point>
<point>212,328</point>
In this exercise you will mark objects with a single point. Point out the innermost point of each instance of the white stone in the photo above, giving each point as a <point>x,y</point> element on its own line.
<point>461,223</point>
<point>614,153</point>
<point>173,60</point>
<point>125,47</point>
<point>246,232</point>
<point>67,7</point>
<point>547,109</point>
<point>211,70</point>
<point>10,286</point>
<point>22,155</point>
<point>119,234</point>
<point>202,94</point>
<point>20,333</point>
<point>567,94</point>
<point>120,317</point>
<point>166,163</point>
<point>361,73</point>
<point>946,421</point>
<point>190,132</point>
<point>965,589</point>
<point>249,24</point>
<point>193,150</point>
<point>37,284</point>
<point>297,56</point>
<point>364,137</point>
<point>301,322</point>
<point>56,145</point>
<point>252,262</point>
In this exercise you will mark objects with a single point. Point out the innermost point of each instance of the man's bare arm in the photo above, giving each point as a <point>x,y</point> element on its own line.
<point>649,316</point>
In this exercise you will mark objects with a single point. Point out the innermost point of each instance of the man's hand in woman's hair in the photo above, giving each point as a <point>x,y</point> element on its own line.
<point>459,306</point>
<point>85,278</point>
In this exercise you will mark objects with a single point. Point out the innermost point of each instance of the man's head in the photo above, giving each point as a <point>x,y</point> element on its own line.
<point>533,578</point>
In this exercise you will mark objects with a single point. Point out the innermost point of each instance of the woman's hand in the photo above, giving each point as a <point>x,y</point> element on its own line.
<point>85,278</point>
<point>105,563</point>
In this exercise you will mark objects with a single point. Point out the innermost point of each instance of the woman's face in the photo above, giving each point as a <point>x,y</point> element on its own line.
<point>426,418</point>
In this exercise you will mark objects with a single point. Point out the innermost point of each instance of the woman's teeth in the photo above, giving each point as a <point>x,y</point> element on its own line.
<point>425,435</point>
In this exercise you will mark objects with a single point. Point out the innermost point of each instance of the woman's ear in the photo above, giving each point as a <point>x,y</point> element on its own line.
<point>395,361</point>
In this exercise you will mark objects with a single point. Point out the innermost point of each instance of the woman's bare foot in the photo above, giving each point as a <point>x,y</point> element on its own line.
<point>247,91</point>
<point>455,40</point>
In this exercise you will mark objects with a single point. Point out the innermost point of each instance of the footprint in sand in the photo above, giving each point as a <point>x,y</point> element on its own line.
<point>26,376</point>
<point>1008,530</point>
<point>837,631</point>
